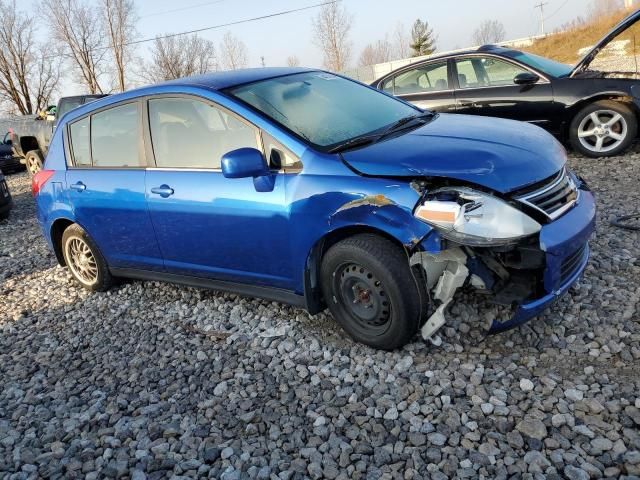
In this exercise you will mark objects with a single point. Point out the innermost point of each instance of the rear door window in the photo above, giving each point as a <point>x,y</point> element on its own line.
<point>467,75</point>
<point>425,79</point>
<point>115,135</point>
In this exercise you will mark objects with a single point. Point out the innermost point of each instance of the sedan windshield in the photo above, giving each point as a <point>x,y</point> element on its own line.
<point>325,109</point>
<point>545,65</point>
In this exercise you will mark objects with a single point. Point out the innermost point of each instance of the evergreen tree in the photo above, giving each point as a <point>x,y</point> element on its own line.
<point>423,40</point>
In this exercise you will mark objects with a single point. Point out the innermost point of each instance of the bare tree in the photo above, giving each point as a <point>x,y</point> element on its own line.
<point>119,20</point>
<point>293,61</point>
<point>179,56</point>
<point>46,76</point>
<point>373,53</point>
<point>331,33</point>
<point>233,52</point>
<point>402,41</point>
<point>76,25</point>
<point>489,31</point>
<point>28,75</point>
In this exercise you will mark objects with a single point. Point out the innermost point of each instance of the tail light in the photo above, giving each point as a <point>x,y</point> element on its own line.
<point>39,179</point>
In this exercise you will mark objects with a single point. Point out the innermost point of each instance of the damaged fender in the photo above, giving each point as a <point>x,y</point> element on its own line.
<point>383,213</point>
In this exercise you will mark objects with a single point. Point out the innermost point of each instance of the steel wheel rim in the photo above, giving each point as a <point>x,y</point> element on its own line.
<point>602,131</point>
<point>81,261</point>
<point>363,298</point>
<point>35,164</point>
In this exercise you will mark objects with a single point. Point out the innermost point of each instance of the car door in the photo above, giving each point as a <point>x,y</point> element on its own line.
<point>208,225</point>
<point>485,86</point>
<point>427,86</point>
<point>105,184</point>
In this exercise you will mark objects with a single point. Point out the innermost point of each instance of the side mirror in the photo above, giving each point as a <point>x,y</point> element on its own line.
<point>244,163</point>
<point>526,78</point>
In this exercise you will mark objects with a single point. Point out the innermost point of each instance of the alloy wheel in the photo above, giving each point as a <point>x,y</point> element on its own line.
<point>81,261</point>
<point>364,298</point>
<point>602,131</point>
<point>34,164</point>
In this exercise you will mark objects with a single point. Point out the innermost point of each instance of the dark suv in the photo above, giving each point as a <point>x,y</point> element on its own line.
<point>5,198</point>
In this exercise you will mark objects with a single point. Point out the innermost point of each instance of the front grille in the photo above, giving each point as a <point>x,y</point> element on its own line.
<point>571,264</point>
<point>553,196</point>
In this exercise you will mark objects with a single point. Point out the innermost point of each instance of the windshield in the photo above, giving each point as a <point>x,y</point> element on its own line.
<point>545,65</point>
<point>323,108</point>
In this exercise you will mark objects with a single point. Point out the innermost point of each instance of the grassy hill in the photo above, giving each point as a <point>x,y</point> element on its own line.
<point>564,46</point>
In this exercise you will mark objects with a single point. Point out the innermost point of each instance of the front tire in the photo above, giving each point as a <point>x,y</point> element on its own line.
<point>371,292</point>
<point>603,129</point>
<point>84,260</point>
<point>34,161</point>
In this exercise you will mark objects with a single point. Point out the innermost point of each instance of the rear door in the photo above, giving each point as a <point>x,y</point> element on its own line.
<point>208,225</point>
<point>105,185</point>
<point>485,86</point>
<point>427,86</point>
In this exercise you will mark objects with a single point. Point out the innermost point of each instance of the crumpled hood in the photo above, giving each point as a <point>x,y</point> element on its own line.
<point>502,155</point>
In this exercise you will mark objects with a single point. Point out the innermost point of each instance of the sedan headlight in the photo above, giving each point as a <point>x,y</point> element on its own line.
<point>474,218</point>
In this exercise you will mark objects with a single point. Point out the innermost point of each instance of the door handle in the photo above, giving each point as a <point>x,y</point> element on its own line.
<point>467,104</point>
<point>79,186</point>
<point>163,190</point>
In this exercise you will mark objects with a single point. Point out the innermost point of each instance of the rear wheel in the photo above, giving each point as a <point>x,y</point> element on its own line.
<point>85,262</point>
<point>34,161</point>
<point>603,129</point>
<point>371,292</point>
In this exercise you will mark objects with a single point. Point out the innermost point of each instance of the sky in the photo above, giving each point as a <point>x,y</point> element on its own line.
<point>277,38</point>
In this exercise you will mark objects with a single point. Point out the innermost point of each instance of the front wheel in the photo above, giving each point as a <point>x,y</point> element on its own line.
<point>34,161</point>
<point>371,292</point>
<point>603,129</point>
<point>85,262</point>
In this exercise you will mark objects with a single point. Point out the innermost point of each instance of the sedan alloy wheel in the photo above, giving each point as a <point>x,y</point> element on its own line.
<point>603,131</point>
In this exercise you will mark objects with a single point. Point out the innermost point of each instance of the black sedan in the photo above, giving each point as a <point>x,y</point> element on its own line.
<point>596,111</point>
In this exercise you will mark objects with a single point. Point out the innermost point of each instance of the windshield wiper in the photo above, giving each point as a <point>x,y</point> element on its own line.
<point>405,121</point>
<point>372,138</point>
<point>354,142</point>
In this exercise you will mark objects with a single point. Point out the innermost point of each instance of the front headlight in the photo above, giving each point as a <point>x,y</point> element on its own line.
<point>474,218</point>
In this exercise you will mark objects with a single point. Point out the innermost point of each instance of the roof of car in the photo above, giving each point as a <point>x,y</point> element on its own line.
<point>211,81</point>
<point>496,49</point>
<point>232,78</point>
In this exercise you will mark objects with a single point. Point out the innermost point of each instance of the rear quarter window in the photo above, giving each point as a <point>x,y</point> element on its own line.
<point>80,148</point>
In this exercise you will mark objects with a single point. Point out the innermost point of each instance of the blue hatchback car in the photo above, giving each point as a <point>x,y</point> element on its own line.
<point>305,187</point>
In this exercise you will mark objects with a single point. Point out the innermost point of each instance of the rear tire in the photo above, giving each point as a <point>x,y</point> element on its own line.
<point>603,129</point>
<point>371,292</point>
<point>34,161</point>
<point>84,260</point>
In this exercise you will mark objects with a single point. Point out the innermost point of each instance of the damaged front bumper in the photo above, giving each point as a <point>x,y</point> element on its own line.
<point>565,243</point>
<point>529,285</point>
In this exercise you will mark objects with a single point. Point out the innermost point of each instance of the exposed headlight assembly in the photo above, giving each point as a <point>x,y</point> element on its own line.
<point>469,217</point>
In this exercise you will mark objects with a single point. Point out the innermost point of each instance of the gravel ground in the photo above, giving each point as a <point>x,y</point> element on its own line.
<point>154,380</point>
